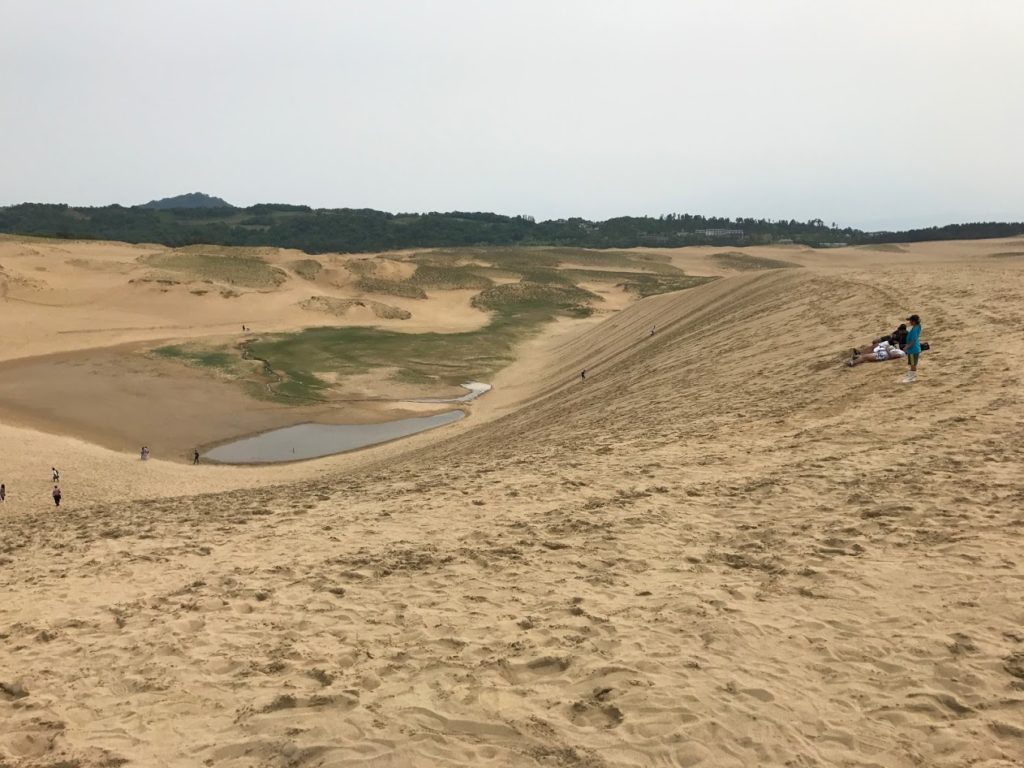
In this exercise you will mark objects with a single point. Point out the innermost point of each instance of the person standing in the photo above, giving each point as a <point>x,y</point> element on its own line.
<point>583,375</point>
<point>3,492</point>
<point>56,474</point>
<point>56,495</point>
<point>195,457</point>
<point>913,348</point>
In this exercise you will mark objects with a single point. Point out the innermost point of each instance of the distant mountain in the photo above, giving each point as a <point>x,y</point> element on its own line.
<point>191,200</point>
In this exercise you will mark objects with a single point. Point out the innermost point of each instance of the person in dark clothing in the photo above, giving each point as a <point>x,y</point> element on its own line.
<point>195,456</point>
<point>56,495</point>
<point>897,338</point>
<point>3,492</point>
<point>583,375</point>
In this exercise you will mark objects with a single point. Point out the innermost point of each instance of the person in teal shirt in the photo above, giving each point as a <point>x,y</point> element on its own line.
<point>913,348</point>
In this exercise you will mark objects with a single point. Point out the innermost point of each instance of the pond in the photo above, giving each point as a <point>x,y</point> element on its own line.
<point>311,441</point>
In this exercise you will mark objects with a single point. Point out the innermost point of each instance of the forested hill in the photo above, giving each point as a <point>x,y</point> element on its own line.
<point>191,200</point>
<point>360,230</point>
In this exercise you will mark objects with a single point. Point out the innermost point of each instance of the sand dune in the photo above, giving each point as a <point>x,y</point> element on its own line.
<point>721,549</point>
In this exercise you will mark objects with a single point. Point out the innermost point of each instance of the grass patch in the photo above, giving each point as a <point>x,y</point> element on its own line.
<point>534,301</point>
<point>284,367</point>
<point>307,269</point>
<point>449,278</point>
<point>340,307</point>
<point>407,376</point>
<point>208,358</point>
<point>653,285</point>
<point>745,262</point>
<point>290,359</point>
<point>363,267</point>
<point>241,270</point>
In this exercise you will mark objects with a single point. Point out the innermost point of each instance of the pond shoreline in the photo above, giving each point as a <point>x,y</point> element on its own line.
<point>313,440</point>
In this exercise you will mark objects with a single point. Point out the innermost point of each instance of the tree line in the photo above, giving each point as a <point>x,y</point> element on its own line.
<point>359,230</point>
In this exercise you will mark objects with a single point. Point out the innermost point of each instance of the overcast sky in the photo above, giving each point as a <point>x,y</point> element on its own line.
<point>872,113</point>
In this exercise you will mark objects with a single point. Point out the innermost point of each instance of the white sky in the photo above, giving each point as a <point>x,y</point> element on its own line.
<point>872,113</point>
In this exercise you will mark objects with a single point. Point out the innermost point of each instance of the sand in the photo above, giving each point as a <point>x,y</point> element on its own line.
<point>722,549</point>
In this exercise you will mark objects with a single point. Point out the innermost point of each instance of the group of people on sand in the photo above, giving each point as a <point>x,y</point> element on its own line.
<point>904,342</point>
<point>56,489</point>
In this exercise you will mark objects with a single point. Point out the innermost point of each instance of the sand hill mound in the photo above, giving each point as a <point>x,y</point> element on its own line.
<point>721,549</point>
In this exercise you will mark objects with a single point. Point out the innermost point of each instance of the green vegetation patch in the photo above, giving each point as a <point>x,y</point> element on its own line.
<point>364,267</point>
<point>535,301</point>
<point>246,271</point>
<point>340,307</point>
<point>307,269</point>
<point>421,358</point>
<point>289,363</point>
<point>448,278</point>
<point>652,285</point>
<point>746,262</point>
<point>208,358</point>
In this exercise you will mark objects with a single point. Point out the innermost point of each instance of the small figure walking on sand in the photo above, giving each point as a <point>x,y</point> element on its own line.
<point>195,457</point>
<point>653,327</point>
<point>56,495</point>
<point>583,375</point>
<point>3,492</point>
<point>56,474</point>
<point>144,453</point>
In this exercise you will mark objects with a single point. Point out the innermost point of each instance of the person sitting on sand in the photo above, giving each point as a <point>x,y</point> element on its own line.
<point>897,338</point>
<point>880,354</point>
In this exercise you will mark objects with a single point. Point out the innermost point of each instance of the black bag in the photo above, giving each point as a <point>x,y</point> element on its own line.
<point>925,346</point>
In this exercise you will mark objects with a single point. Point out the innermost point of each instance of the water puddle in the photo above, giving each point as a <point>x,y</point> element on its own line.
<point>310,441</point>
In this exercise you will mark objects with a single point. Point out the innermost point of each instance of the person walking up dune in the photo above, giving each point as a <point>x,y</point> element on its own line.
<point>56,495</point>
<point>3,492</point>
<point>195,457</point>
<point>913,348</point>
<point>56,474</point>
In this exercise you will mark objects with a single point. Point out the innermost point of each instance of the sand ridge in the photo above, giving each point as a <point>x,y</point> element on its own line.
<point>722,549</point>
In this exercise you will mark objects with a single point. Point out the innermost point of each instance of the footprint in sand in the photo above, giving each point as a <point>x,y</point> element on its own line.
<point>545,666</point>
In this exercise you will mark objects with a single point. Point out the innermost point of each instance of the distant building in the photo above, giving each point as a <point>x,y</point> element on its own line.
<point>719,232</point>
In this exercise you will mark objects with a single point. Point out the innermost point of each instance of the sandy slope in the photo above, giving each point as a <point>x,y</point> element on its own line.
<point>721,549</point>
